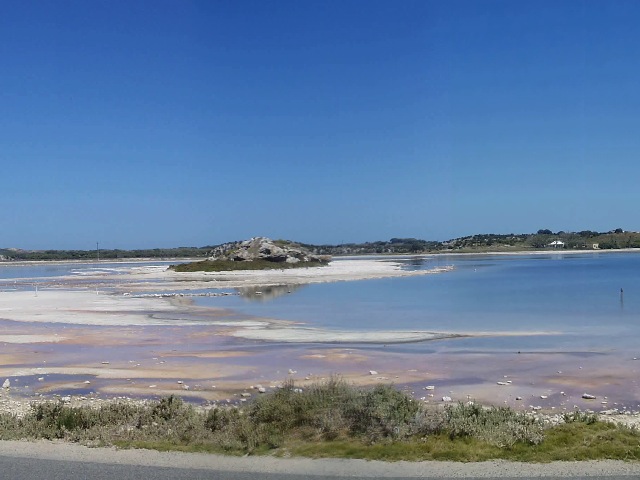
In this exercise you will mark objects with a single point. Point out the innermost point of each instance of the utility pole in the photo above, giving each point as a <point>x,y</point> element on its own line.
<point>98,250</point>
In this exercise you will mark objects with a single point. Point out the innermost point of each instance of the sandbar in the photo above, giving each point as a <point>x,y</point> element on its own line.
<point>160,278</point>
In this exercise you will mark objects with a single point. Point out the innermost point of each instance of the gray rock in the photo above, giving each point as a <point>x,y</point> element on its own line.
<point>262,248</point>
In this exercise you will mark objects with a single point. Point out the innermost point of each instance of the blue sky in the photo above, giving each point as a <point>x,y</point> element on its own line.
<point>187,123</point>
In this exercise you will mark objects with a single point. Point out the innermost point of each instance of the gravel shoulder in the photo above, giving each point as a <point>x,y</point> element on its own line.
<point>329,467</point>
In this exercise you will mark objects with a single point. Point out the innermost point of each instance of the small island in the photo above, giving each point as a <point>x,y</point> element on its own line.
<point>258,253</point>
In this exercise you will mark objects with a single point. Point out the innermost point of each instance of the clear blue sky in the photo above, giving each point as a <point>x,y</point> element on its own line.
<point>188,123</point>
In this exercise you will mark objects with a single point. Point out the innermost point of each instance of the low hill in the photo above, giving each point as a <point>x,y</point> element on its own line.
<point>258,253</point>
<point>287,253</point>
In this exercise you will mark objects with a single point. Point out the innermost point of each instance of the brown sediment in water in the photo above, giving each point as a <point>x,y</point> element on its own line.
<point>150,361</point>
<point>206,355</point>
<point>337,355</point>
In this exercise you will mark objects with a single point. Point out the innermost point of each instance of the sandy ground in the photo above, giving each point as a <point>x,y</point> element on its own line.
<point>339,270</point>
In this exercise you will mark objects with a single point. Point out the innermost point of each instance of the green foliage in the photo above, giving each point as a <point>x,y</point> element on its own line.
<point>168,408</point>
<point>92,255</point>
<point>54,419</point>
<point>498,426</point>
<point>333,409</point>
<point>584,239</point>
<point>580,417</point>
<point>383,412</point>
<point>318,409</point>
<point>485,242</point>
<point>579,441</point>
<point>229,265</point>
<point>331,418</point>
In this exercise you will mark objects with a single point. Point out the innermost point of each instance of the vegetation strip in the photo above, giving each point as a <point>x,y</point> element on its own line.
<point>229,265</point>
<point>330,419</point>
<point>543,239</point>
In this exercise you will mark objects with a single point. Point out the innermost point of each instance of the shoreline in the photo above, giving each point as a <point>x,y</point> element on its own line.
<point>548,252</point>
<point>154,279</point>
<point>380,256</point>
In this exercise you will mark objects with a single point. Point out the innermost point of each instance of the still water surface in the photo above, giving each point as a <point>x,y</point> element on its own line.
<point>574,294</point>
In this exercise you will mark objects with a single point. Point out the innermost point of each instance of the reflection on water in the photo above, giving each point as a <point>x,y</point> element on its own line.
<point>417,263</point>
<point>263,294</point>
<point>577,295</point>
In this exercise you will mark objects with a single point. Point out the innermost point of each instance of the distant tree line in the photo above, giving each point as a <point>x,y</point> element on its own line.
<point>545,238</point>
<point>395,245</point>
<point>541,240</point>
<point>92,255</point>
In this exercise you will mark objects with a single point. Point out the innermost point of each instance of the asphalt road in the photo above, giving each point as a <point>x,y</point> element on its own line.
<point>17,468</point>
<point>47,460</point>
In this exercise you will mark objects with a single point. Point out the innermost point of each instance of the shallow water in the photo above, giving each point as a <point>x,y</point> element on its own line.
<point>44,270</point>
<point>577,296</point>
<point>27,275</point>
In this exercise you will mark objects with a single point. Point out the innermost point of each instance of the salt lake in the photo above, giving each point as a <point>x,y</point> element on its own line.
<point>552,325</point>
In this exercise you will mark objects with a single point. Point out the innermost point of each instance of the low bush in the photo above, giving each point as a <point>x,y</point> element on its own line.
<point>230,265</point>
<point>329,418</point>
<point>498,426</point>
<point>580,417</point>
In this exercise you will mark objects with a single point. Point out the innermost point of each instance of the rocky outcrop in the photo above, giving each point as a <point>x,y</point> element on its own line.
<point>262,248</point>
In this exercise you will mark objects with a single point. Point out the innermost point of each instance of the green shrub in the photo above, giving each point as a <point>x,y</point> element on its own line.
<point>329,416</point>
<point>499,426</point>
<point>230,265</point>
<point>168,408</point>
<point>580,417</point>
<point>383,412</point>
